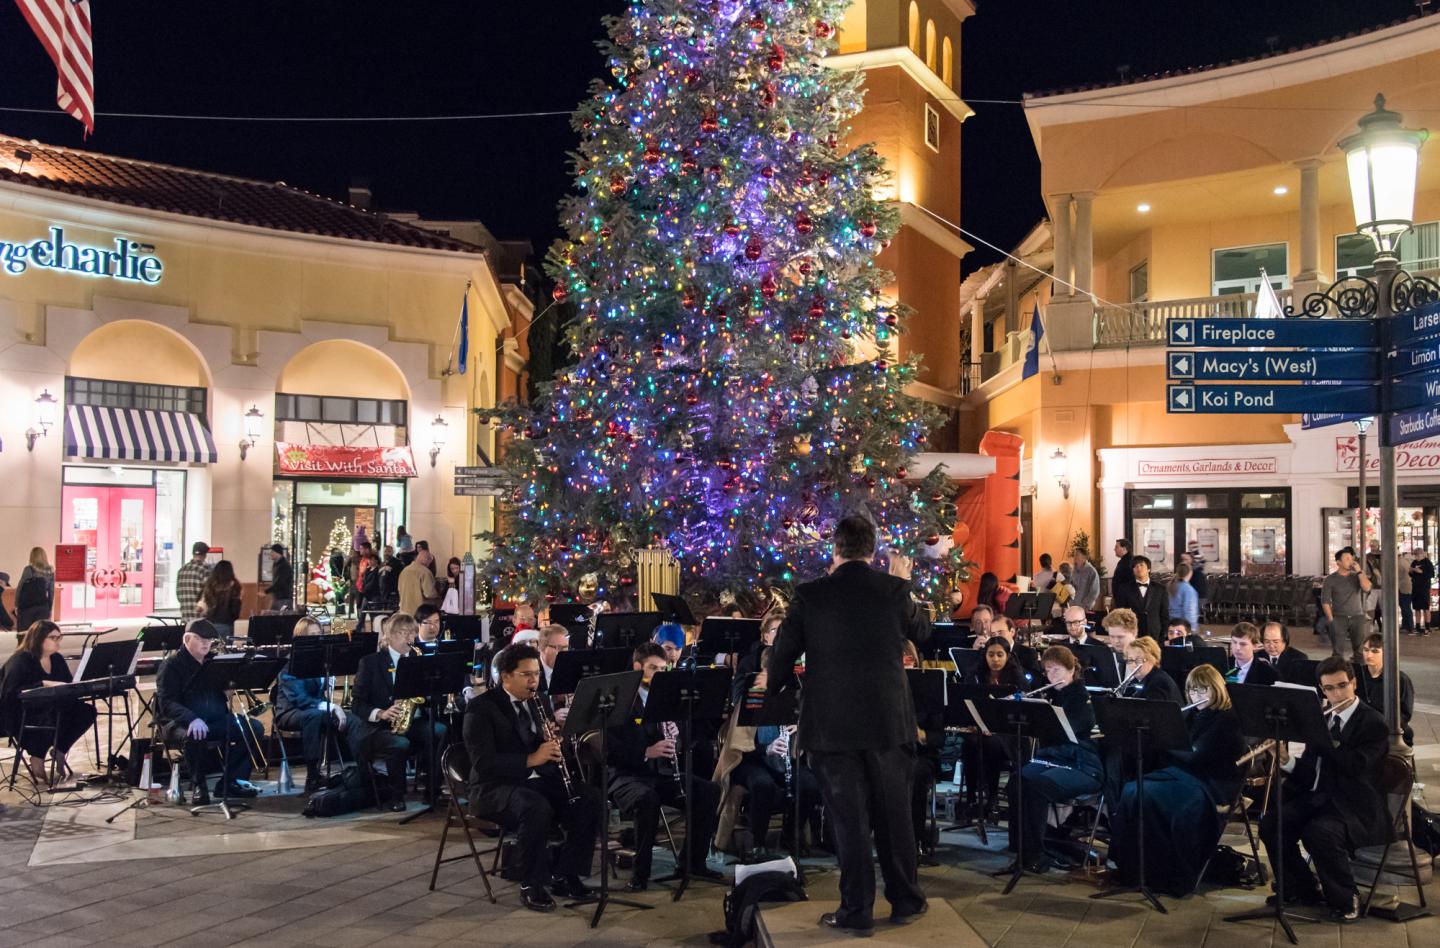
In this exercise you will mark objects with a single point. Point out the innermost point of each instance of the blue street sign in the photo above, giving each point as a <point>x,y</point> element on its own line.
<point>1415,391</point>
<point>1414,326</point>
<point>1270,399</point>
<point>1409,426</point>
<point>1296,366</point>
<point>1307,422</point>
<point>1229,333</point>
<point>1416,358</point>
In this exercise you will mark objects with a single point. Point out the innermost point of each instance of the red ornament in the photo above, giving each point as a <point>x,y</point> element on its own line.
<point>787,522</point>
<point>757,23</point>
<point>688,164</point>
<point>713,171</point>
<point>605,232</point>
<point>803,224</point>
<point>870,481</point>
<point>767,172</point>
<point>867,229</point>
<point>823,29</point>
<point>767,95</point>
<point>767,286</point>
<point>805,267</point>
<point>797,335</point>
<point>804,179</point>
<point>558,294</point>
<point>617,184</point>
<point>901,473</point>
<point>613,430</point>
<point>692,76</point>
<point>776,62</point>
<point>692,397</point>
<point>881,365</point>
<point>731,227</point>
<point>932,538</point>
<point>753,247</point>
<point>709,122</point>
<point>817,308</point>
<point>687,299</point>
<point>892,318</point>
<point>659,350</point>
<point>652,154</point>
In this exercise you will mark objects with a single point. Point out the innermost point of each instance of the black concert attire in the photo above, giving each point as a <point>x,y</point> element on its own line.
<point>70,718</point>
<point>301,704</point>
<point>1122,581</point>
<point>180,700</point>
<point>1155,686</point>
<point>762,774</point>
<point>1288,668</point>
<point>856,726</point>
<point>1119,754</point>
<point>745,671</point>
<point>371,737</point>
<point>1372,692</point>
<point>1150,603</point>
<point>927,766</point>
<point>282,585</point>
<point>988,754</point>
<point>1258,672</point>
<point>1182,825</point>
<point>1335,811</point>
<point>1057,773</point>
<point>639,787</point>
<point>500,733</point>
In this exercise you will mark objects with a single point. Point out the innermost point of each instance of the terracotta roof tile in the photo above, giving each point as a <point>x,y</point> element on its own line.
<point>203,194</point>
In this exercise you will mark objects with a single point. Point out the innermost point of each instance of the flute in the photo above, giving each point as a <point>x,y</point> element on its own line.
<point>1262,748</point>
<point>1031,694</point>
<point>1121,687</point>
<point>1199,704</point>
<point>1340,708</point>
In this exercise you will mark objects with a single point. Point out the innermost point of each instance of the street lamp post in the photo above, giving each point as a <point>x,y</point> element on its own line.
<point>1362,510</point>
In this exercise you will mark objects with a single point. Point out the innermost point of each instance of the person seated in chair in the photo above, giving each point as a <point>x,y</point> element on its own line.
<point>1370,684</point>
<point>646,773</point>
<point>38,662</point>
<point>1244,642</point>
<point>305,705</point>
<point>1181,635</point>
<point>1275,638</point>
<point>373,736</point>
<point>515,781</point>
<point>190,713</point>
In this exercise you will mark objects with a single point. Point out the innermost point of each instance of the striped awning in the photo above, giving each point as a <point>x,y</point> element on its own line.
<point>135,434</point>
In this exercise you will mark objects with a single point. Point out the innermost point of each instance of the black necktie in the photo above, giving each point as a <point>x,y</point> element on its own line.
<point>1336,726</point>
<point>527,724</point>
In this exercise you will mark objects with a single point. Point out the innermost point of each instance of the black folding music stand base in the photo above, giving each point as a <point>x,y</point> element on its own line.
<point>601,702</point>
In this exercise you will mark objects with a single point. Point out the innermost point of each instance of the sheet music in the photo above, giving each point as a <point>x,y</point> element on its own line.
<point>1059,714</point>
<point>80,667</point>
<point>975,714</point>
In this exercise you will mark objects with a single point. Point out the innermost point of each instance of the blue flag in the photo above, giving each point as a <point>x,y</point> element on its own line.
<point>1032,354</point>
<point>465,330</point>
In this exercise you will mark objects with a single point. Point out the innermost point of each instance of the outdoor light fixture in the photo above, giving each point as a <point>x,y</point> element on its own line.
<point>1280,190</point>
<point>254,418</point>
<point>45,407</point>
<point>1383,160</point>
<point>1060,470</point>
<point>438,427</point>
<point>1143,208</point>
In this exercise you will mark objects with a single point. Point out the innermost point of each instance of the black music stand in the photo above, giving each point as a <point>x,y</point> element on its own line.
<point>625,629</point>
<point>725,634</point>
<point>427,677</point>
<point>695,694</point>
<point>780,709</point>
<point>1030,606</point>
<point>1102,664</point>
<point>575,617</point>
<point>108,661</point>
<point>674,609</point>
<point>945,636</point>
<point>462,626</point>
<point>1020,719</point>
<point>1302,671</point>
<point>266,630</point>
<point>1159,725</point>
<point>1281,714</point>
<point>574,664</point>
<point>1178,661</point>
<point>329,657</point>
<point>968,662</point>
<point>957,715</point>
<point>221,674</point>
<point>601,702</point>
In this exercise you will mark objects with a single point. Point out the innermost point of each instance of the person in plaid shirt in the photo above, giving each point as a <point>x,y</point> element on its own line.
<point>191,579</point>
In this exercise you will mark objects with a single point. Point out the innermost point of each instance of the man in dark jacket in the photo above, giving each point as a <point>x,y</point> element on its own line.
<point>515,781</point>
<point>1146,598</point>
<point>1334,803</point>
<point>1290,664</point>
<point>857,720</point>
<point>282,582</point>
<point>1124,573</point>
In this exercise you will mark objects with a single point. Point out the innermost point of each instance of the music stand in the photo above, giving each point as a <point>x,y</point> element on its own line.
<point>1160,725</point>
<point>271,630</point>
<point>1178,661</point>
<point>1100,661</point>
<point>968,662</point>
<point>601,702</point>
<point>695,694</point>
<point>779,709</point>
<point>957,715</point>
<point>329,657</point>
<point>220,674</point>
<point>625,629</point>
<point>462,627</point>
<point>110,660</point>
<point>1281,714</point>
<point>574,664</point>
<point>1030,606</point>
<point>674,609</point>
<point>1302,671</point>
<point>427,677</point>
<point>575,617</point>
<point>944,636</point>
<point>724,634</point>
<point>1029,717</point>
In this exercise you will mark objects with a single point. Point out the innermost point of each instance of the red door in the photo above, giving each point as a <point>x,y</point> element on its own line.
<point>117,526</point>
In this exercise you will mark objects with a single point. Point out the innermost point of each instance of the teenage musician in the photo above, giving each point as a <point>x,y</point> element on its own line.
<point>1244,644</point>
<point>1058,772</point>
<point>646,773</point>
<point>303,704</point>
<point>984,757</point>
<point>1370,684</point>
<point>38,662</point>
<point>1334,803</point>
<point>1180,634</point>
<point>376,708</point>
<point>1121,627</point>
<point>1025,656</point>
<point>516,781</point>
<point>1182,824</point>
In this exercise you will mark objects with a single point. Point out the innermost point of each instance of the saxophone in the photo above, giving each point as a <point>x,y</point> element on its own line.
<point>402,721</point>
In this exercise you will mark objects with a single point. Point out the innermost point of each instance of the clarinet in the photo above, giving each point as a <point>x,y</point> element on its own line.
<point>550,732</point>
<point>671,732</point>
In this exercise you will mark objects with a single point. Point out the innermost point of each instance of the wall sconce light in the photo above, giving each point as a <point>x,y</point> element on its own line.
<point>45,408</point>
<point>254,419</point>
<point>438,428</point>
<point>1060,470</point>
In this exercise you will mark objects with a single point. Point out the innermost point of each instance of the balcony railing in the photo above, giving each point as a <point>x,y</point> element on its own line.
<point>1143,324</point>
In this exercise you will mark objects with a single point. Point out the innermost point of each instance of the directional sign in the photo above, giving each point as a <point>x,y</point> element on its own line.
<point>1415,391</point>
<point>1409,426</point>
<point>1307,422</point>
<point>1416,358</point>
<point>461,471</point>
<point>476,490</point>
<point>1300,366</point>
<point>1415,326</point>
<point>1270,399</point>
<point>1228,333</point>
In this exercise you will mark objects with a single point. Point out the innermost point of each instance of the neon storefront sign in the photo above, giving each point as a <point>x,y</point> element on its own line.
<point>123,260</point>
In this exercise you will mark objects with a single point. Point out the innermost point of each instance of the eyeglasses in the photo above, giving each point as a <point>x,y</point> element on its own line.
<point>1334,689</point>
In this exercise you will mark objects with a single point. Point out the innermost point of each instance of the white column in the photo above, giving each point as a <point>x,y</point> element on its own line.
<point>977,329</point>
<point>1060,224</point>
<point>1084,243</point>
<point>1309,221</point>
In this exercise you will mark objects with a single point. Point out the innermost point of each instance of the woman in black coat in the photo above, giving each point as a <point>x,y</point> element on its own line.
<point>1182,824</point>
<point>984,757</point>
<point>38,662</point>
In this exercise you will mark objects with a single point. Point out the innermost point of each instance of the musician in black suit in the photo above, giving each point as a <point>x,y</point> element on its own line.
<point>1026,657</point>
<point>1334,802</point>
<point>646,774</point>
<point>373,736</point>
<point>929,740</point>
<point>1146,598</point>
<point>1179,634</point>
<point>304,705</point>
<point>1244,649</point>
<point>35,663</point>
<point>1286,661</point>
<point>190,714</point>
<point>515,781</point>
<point>856,723</point>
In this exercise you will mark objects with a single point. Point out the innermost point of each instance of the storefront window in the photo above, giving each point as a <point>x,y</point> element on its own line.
<point>1206,501</point>
<point>1155,538</point>
<point>392,503</point>
<point>1267,501</point>
<point>1263,550</point>
<point>337,493</point>
<point>170,549</point>
<point>1232,530</point>
<point>1209,538</point>
<point>1148,501</point>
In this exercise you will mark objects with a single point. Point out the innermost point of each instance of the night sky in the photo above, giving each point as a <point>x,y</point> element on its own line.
<point>358,57</point>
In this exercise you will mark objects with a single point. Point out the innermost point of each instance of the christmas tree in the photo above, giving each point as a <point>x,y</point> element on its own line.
<point>735,390</point>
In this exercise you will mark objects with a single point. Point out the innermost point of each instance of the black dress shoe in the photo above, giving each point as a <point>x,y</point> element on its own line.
<point>238,788</point>
<point>536,899</point>
<point>1346,914</point>
<point>637,885</point>
<point>905,918</point>
<point>571,888</point>
<point>832,920</point>
<point>397,806</point>
<point>201,796</point>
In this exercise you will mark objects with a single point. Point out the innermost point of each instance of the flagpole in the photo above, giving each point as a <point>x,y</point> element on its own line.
<point>448,371</point>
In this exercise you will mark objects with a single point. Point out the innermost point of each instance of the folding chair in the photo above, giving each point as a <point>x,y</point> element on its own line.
<point>455,765</point>
<point>1398,777</point>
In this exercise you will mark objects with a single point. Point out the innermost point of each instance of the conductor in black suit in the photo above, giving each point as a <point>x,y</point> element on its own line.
<point>515,781</point>
<point>1146,598</point>
<point>857,720</point>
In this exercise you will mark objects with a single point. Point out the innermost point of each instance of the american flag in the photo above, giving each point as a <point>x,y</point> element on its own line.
<point>63,27</point>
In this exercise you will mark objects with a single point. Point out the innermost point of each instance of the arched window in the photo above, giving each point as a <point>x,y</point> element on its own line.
<point>914,27</point>
<point>947,62</point>
<point>930,44</point>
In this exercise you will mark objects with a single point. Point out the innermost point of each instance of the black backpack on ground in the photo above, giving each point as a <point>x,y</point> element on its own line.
<point>347,792</point>
<point>743,902</point>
